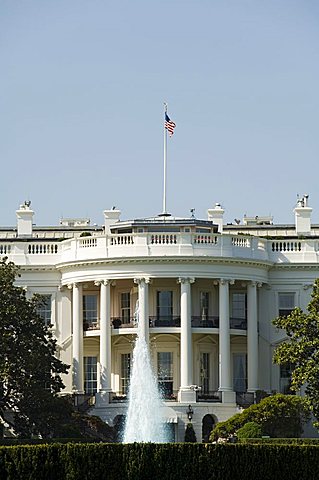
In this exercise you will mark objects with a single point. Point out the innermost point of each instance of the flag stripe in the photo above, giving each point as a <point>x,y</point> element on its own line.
<point>169,125</point>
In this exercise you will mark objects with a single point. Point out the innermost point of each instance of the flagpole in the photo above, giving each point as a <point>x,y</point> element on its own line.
<point>165,160</point>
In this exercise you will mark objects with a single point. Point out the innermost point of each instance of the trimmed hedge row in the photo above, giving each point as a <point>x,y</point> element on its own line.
<point>158,462</point>
<point>279,441</point>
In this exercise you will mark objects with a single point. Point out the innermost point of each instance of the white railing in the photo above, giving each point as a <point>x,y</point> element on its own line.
<point>162,244</point>
<point>88,242</point>
<point>286,246</point>
<point>200,239</point>
<point>42,248</point>
<point>240,242</point>
<point>163,239</point>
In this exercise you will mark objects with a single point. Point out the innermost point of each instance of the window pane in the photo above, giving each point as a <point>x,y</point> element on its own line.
<point>90,310</point>
<point>239,305</point>
<point>240,372</point>
<point>286,302</point>
<point>90,375</point>
<point>125,372</point>
<point>204,372</point>
<point>44,308</point>
<point>165,304</point>
<point>204,305</point>
<point>125,307</point>
<point>165,373</point>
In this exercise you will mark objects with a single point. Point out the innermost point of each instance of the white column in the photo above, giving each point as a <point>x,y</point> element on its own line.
<point>252,337</point>
<point>186,394</point>
<point>143,306</point>
<point>225,381</point>
<point>77,338</point>
<point>105,336</point>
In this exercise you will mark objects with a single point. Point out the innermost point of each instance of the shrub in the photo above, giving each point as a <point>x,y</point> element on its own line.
<point>249,430</point>
<point>278,415</point>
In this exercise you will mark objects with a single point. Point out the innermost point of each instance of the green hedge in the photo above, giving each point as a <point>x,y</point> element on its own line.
<point>159,462</point>
<point>279,441</point>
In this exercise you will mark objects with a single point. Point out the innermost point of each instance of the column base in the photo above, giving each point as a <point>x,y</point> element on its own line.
<point>187,395</point>
<point>228,397</point>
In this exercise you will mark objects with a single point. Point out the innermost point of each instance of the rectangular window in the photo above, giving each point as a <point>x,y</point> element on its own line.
<point>125,307</point>
<point>165,305</point>
<point>125,372</point>
<point>90,375</point>
<point>204,372</point>
<point>44,308</point>
<point>286,303</point>
<point>240,372</point>
<point>239,306</point>
<point>90,318</point>
<point>204,305</point>
<point>165,373</point>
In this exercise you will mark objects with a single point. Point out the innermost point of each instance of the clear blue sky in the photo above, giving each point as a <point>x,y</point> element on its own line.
<point>82,85</point>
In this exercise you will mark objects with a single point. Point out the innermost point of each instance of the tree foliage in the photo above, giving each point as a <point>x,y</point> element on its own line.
<point>29,369</point>
<point>302,349</point>
<point>250,430</point>
<point>280,416</point>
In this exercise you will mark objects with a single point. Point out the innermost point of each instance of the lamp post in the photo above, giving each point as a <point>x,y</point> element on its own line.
<point>189,413</point>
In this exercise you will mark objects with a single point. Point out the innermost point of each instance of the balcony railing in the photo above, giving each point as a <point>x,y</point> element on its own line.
<point>209,397</point>
<point>165,321</point>
<point>205,322</point>
<point>171,321</point>
<point>91,325</point>
<point>127,322</point>
<point>238,323</point>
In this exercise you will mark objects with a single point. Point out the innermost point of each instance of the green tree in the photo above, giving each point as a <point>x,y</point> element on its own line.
<point>280,416</point>
<point>29,370</point>
<point>302,349</point>
<point>190,435</point>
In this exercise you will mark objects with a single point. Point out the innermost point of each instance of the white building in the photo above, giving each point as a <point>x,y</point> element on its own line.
<point>207,294</point>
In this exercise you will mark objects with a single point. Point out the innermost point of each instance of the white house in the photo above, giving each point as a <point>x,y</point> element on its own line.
<point>207,294</point>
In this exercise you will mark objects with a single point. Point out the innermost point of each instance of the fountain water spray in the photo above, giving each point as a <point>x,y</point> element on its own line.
<point>144,421</point>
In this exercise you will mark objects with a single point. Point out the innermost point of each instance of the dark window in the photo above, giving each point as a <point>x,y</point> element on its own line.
<point>165,373</point>
<point>125,307</point>
<point>165,305</point>
<point>90,319</point>
<point>286,303</point>
<point>240,372</point>
<point>204,305</point>
<point>125,372</point>
<point>44,308</point>
<point>90,375</point>
<point>204,372</point>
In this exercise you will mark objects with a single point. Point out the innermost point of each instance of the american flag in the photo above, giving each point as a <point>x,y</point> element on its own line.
<point>169,125</point>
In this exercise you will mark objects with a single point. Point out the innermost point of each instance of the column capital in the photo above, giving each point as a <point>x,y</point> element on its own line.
<point>105,281</point>
<point>73,285</point>
<point>140,280</point>
<point>224,281</point>
<point>186,280</point>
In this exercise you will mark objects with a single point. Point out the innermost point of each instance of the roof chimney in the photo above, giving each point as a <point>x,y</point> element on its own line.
<point>25,219</point>
<point>215,215</point>
<point>303,216</point>
<point>110,217</point>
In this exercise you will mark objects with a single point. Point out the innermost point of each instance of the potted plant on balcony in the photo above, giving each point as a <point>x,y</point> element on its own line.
<point>116,322</point>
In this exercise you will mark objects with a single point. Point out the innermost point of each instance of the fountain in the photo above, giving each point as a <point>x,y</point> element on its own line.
<point>144,421</point>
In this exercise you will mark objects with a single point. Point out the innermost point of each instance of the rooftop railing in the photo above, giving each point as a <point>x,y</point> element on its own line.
<point>36,251</point>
